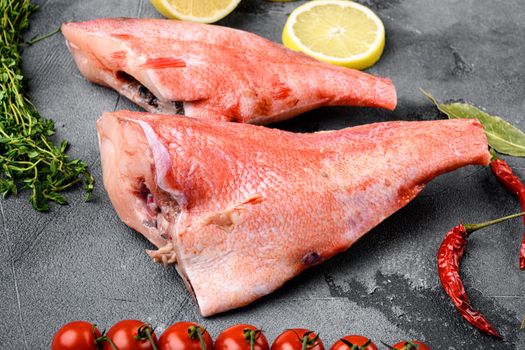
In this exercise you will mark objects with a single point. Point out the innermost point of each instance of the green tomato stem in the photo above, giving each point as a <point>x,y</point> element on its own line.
<point>105,338</point>
<point>305,342</point>
<point>197,330</point>
<point>252,340</point>
<point>150,338</point>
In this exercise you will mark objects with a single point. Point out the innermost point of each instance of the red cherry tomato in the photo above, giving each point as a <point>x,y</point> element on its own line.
<point>294,339</point>
<point>346,343</point>
<point>130,335</point>
<point>241,337</point>
<point>78,335</point>
<point>185,336</point>
<point>411,345</point>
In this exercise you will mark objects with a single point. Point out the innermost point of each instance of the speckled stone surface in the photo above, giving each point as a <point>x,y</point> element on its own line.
<point>81,262</point>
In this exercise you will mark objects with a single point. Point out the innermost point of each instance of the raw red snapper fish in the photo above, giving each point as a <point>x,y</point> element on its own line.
<point>214,72</point>
<point>240,209</point>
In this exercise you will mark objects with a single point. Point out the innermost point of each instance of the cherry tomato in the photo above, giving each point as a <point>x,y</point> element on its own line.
<point>78,335</point>
<point>293,339</point>
<point>185,336</point>
<point>241,337</point>
<point>347,342</point>
<point>130,335</point>
<point>411,345</point>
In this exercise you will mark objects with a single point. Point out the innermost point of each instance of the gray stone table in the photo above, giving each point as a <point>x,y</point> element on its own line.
<point>81,262</point>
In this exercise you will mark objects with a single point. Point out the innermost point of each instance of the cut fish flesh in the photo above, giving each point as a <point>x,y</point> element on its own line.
<point>214,72</point>
<point>240,209</point>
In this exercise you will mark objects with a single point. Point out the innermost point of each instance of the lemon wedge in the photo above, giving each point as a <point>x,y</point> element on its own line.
<point>202,11</point>
<point>336,31</point>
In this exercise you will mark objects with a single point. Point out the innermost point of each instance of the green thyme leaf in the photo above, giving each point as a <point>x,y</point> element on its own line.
<point>502,136</point>
<point>28,158</point>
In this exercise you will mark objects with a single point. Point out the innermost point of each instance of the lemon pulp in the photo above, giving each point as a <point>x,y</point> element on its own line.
<point>203,11</point>
<point>336,31</point>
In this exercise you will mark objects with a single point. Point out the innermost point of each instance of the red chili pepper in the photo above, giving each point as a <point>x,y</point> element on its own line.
<point>449,256</point>
<point>505,175</point>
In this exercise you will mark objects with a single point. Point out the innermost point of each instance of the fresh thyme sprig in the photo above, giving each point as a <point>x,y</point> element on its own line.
<point>28,158</point>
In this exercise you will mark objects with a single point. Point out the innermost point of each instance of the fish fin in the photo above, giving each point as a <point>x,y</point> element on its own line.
<point>119,55</point>
<point>124,37</point>
<point>255,199</point>
<point>164,255</point>
<point>280,90</point>
<point>230,216</point>
<point>163,62</point>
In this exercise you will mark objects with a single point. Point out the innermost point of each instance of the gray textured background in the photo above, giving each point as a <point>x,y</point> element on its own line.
<point>81,262</point>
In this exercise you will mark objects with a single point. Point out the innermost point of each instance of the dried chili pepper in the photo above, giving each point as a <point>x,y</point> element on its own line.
<point>504,174</point>
<point>449,256</point>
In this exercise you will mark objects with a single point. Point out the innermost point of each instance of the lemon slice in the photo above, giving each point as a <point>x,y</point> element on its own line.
<point>336,31</point>
<point>202,11</point>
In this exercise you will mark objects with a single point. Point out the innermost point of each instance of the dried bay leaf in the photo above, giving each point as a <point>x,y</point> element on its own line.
<point>501,135</point>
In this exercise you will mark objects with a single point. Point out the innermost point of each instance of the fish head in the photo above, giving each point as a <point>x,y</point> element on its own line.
<point>93,52</point>
<point>101,50</point>
<point>129,175</point>
<point>136,177</point>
